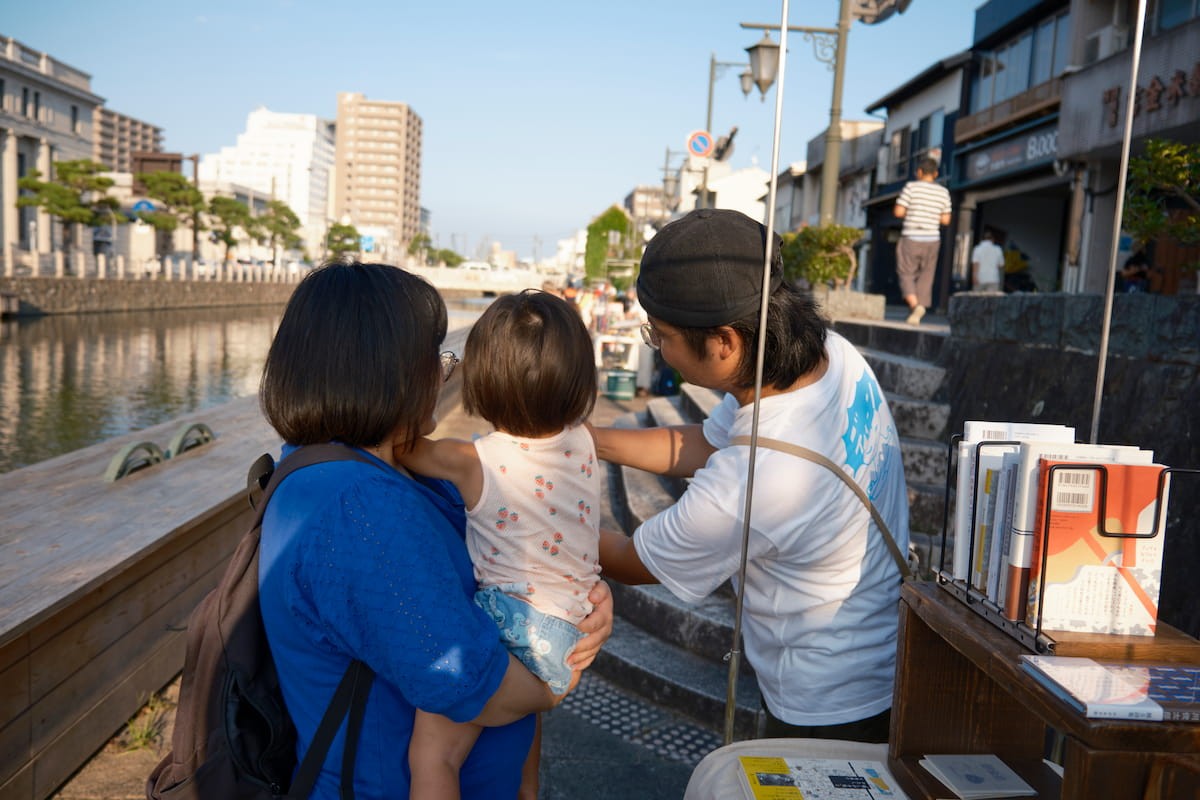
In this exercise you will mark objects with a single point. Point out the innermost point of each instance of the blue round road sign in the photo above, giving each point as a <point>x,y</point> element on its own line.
<point>700,144</point>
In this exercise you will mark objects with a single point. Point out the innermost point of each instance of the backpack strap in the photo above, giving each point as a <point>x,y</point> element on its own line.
<point>817,458</point>
<point>351,693</point>
<point>350,696</point>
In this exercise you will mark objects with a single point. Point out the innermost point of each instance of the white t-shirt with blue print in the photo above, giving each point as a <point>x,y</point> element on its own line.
<point>820,608</point>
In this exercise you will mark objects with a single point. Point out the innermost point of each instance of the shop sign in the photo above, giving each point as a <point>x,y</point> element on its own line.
<point>1035,147</point>
<point>1154,96</point>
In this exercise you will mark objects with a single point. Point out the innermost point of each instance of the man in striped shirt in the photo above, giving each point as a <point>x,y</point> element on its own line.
<point>924,205</point>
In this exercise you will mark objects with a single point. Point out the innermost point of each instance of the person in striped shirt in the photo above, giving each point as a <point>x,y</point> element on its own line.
<point>924,205</point>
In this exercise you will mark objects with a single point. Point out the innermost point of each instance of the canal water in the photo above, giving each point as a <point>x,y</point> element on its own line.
<point>70,381</point>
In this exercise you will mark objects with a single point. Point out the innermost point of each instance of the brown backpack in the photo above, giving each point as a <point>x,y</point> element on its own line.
<point>233,737</point>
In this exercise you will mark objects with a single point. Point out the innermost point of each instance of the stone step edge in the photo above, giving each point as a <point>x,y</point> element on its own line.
<point>674,678</point>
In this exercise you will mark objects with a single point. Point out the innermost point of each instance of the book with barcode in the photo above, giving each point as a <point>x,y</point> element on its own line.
<point>966,487</point>
<point>1121,690</point>
<point>1025,502</point>
<point>779,778</point>
<point>1103,543</point>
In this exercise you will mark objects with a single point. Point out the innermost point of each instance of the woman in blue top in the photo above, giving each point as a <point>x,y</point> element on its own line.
<point>367,561</point>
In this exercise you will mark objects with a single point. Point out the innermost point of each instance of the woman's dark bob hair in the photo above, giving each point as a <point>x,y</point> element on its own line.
<point>355,357</point>
<point>528,366</point>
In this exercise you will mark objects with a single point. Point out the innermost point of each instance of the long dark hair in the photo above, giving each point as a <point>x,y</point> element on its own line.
<point>355,357</point>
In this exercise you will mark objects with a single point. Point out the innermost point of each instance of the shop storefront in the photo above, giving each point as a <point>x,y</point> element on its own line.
<point>1013,184</point>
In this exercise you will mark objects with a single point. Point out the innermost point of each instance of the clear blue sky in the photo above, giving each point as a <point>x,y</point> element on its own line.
<point>538,114</point>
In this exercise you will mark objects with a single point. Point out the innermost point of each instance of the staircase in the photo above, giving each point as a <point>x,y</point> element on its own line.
<point>672,653</point>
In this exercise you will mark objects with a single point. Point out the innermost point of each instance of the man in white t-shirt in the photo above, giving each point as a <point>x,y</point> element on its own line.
<point>987,264</point>
<point>821,588</point>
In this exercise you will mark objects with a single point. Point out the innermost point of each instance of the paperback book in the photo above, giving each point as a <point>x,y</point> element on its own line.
<point>1121,690</point>
<point>1101,575</point>
<point>1025,506</point>
<point>977,775</point>
<point>777,778</point>
<point>967,485</point>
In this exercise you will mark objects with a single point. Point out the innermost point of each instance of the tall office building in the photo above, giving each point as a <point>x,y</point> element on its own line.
<point>287,157</point>
<point>119,136</point>
<point>378,174</point>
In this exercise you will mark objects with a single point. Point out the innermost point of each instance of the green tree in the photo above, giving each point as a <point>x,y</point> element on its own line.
<point>820,254</point>
<point>279,225</point>
<point>178,203</point>
<point>447,257</point>
<point>601,246</point>
<point>231,219</point>
<point>342,239</point>
<point>77,195</point>
<point>1162,193</point>
<point>421,245</point>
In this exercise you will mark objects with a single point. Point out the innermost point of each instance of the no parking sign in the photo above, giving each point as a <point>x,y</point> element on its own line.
<point>700,144</point>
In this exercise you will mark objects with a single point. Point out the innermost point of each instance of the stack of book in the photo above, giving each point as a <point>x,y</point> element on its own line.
<point>1121,690</point>
<point>1095,513</point>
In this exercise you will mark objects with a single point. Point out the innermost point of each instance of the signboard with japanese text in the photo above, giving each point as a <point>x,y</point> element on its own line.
<point>1022,151</point>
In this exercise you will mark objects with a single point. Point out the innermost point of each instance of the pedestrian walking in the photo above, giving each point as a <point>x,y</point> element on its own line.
<point>987,264</point>
<point>924,205</point>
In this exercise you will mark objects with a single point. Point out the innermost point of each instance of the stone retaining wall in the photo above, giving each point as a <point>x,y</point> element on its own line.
<point>85,295</point>
<point>1034,358</point>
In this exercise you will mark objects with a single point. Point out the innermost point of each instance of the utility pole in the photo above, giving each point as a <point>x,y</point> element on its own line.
<point>833,135</point>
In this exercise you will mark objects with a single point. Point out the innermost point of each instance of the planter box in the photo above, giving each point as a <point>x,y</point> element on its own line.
<point>843,303</point>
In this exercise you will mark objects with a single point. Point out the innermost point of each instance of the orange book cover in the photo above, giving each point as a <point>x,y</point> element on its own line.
<point>1096,583</point>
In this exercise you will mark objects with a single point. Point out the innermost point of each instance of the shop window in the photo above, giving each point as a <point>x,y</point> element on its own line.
<point>1031,58</point>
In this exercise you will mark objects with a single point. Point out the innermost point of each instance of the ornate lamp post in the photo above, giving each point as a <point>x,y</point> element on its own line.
<point>829,47</point>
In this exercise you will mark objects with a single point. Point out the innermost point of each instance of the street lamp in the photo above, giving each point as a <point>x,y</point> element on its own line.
<point>746,82</point>
<point>829,47</point>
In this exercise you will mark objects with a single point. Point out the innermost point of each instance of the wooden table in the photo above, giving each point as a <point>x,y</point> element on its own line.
<point>960,689</point>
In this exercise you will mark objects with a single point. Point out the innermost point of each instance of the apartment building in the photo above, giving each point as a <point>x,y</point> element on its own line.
<point>287,157</point>
<point>118,136</point>
<point>47,112</point>
<point>377,184</point>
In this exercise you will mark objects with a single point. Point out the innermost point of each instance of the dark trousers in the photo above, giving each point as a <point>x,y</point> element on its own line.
<point>873,730</point>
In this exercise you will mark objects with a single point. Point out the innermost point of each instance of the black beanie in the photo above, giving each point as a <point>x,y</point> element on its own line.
<point>705,269</point>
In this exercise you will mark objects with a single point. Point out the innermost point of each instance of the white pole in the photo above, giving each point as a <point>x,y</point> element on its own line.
<point>1118,212</point>
<point>735,651</point>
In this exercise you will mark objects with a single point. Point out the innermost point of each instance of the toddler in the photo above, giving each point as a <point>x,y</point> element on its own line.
<point>532,492</point>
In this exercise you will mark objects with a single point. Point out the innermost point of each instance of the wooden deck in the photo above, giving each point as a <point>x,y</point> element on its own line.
<point>97,580</point>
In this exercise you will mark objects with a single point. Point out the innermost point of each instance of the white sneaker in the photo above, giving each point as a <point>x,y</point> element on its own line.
<point>915,317</point>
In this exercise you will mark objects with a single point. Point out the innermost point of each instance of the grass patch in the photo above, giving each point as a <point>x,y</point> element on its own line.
<point>148,727</point>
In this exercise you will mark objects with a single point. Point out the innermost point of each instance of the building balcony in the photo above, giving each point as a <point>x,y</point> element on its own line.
<point>1033,102</point>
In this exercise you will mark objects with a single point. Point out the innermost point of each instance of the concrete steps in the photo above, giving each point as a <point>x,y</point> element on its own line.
<point>672,653</point>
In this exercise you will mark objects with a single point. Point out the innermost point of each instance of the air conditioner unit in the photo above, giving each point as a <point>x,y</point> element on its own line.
<point>1105,42</point>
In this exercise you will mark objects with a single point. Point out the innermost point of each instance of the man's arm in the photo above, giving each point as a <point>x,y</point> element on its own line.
<point>620,561</point>
<point>677,450</point>
<point>899,211</point>
<point>944,218</point>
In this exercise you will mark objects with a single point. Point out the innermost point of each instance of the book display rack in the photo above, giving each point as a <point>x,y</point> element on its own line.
<point>1034,638</point>
<point>961,688</point>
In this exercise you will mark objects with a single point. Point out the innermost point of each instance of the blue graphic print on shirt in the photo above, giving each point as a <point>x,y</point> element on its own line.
<point>860,420</point>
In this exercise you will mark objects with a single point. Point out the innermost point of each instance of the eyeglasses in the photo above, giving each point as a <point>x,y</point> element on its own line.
<point>449,361</point>
<point>652,336</point>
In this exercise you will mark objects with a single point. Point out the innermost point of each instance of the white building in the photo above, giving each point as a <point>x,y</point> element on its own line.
<point>46,115</point>
<point>288,157</point>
